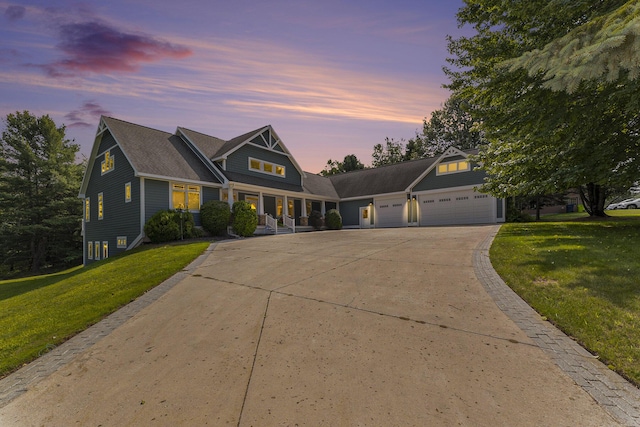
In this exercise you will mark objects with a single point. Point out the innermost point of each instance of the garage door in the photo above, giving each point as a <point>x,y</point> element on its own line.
<point>456,207</point>
<point>391,212</point>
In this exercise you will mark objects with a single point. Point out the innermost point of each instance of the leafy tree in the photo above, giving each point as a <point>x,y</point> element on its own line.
<point>350,163</point>
<point>40,211</point>
<point>390,153</point>
<point>451,126</point>
<point>541,141</point>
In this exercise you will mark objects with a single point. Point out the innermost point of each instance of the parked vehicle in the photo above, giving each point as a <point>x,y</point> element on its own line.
<point>617,205</point>
<point>629,204</point>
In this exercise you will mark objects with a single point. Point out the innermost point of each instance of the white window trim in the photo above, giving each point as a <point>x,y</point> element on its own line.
<point>121,239</point>
<point>100,201</point>
<point>261,169</point>
<point>105,249</point>
<point>127,197</point>
<point>112,161</point>
<point>97,250</point>
<point>438,173</point>
<point>89,250</point>
<point>87,209</point>
<point>186,190</point>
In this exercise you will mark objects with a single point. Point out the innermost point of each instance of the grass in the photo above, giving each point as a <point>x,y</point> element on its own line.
<point>38,313</point>
<point>583,276</point>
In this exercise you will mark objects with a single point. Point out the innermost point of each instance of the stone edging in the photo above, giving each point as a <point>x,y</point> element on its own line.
<point>616,395</point>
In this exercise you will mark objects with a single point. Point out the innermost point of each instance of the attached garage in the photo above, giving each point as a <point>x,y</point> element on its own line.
<point>391,212</point>
<point>456,207</point>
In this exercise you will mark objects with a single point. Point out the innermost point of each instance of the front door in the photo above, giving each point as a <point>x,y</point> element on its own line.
<point>365,217</point>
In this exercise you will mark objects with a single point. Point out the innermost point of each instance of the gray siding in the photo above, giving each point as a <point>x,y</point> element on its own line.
<point>106,143</point>
<point>239,162</point>
<point>210,193</point>
<point>120,218</point>
<point>350,211</point>
<point>156,197</point>
<point>433,182</point>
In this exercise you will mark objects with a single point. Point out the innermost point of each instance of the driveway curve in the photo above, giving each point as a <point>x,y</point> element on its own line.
<point>384,327</point>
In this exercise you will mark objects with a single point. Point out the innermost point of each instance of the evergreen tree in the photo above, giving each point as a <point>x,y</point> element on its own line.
<point>542,141</point>
<point>40,211</point>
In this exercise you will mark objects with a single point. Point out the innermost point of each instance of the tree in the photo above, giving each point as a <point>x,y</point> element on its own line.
<point>390,153</point>
<point>542,141</point>
<point>451,126</point>
<point>350,163</point>
<point>40,211</point>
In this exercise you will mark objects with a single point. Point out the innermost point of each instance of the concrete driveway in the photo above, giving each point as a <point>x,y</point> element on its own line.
<point>386,327</point>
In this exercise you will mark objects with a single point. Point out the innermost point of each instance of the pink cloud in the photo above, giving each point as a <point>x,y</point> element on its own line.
<point>86,116</point>
<point>96,47</point>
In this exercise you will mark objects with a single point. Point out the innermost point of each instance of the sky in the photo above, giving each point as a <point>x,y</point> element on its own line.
<point>332,77</point>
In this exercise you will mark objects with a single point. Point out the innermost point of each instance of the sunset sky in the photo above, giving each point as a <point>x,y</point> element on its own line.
<point>332,77</point>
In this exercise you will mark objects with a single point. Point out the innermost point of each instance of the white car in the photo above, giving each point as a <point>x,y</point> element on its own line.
<point>629,204</point>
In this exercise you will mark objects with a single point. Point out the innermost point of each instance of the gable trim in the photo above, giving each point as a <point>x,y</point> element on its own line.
<point>450,152</point>
<point>207,162</point>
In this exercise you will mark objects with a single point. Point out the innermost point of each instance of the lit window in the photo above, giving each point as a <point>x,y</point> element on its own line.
<point>100,206</point>
<point>290,208</point>
<point>453,167</point>
<point>266,167</point>
<point>96,246</point>
<point>87,209</point>
<point>108,164</point>
<point>279,207</point>
<point>90,250</point>
<point>105,250</point>
<point>127,192</point>
<point>186,197</point>
<point>122,242</point>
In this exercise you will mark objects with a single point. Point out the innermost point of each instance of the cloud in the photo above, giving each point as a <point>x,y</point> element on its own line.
<point>96,47</point>
<point>86,116</point>
<point>14,13</point>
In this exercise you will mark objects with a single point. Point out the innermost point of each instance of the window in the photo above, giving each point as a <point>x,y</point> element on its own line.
<point>453,167</point>
<point>105,250</point>
<point>87,209</point>
<point>100,206</point>
<point>266,167</point>
<point>122,242</point>
<point>96,247</point>
<point>186,197</point>
<point>127,192</point>
<point>108,164</point>
<point>90,250</point>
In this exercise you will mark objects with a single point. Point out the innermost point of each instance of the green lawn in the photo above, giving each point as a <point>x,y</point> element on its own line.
<point>584,276</point>
<point>38,313</point>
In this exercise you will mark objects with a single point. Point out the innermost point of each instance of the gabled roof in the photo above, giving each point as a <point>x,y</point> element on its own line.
<point>381,180</point>
<point>320,186</point>
<point>210,146</point>
<point>156,153</point>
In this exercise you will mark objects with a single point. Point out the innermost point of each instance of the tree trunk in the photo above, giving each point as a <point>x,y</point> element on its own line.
<point>38,253</point>
<point>593,199</point>
<point>538,208</point>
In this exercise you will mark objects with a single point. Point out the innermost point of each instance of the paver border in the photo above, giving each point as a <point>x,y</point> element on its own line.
<point>19,381</point>
<point>611,391</point>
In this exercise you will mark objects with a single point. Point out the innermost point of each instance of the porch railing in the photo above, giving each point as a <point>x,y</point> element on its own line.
<point>271,223</point>
<point>289,222</point>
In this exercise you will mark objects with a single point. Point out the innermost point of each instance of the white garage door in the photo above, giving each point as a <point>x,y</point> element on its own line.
<point>456,207</point>
<point>391,212</point>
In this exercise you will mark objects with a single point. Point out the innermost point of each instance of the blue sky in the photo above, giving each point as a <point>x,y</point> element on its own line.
<point>332,77</point>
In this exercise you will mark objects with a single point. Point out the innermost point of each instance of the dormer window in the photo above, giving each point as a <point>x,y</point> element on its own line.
<point>453,167</point>
<point>108,164</point>
<point>268,168</point>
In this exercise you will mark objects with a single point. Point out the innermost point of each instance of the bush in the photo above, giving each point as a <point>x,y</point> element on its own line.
<point>162,227</point>
<point>245,219</point>
<point>333,220</point>
<point>215,216</point>
<point>169,225</point>
<point>315,220</point>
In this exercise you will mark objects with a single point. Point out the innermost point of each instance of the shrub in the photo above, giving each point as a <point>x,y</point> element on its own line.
<point>215,216</point>
<point>162,227</point>
<point>333,220</point>
<point>168,225</point>
<point>245,219</point>
<point>315,220</point>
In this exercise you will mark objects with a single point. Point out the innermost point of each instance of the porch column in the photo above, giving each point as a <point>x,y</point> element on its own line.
<point>260,204</point>
<point>230,196</point>
<point>304,208</point>
<point>285,206</point>
<point>323,208</point>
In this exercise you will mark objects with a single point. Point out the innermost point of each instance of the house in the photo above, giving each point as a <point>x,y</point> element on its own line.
<point>134,171</point>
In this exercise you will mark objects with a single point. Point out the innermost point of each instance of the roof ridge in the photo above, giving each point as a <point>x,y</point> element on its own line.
<point>200,133</point>
<point>137,125</point>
